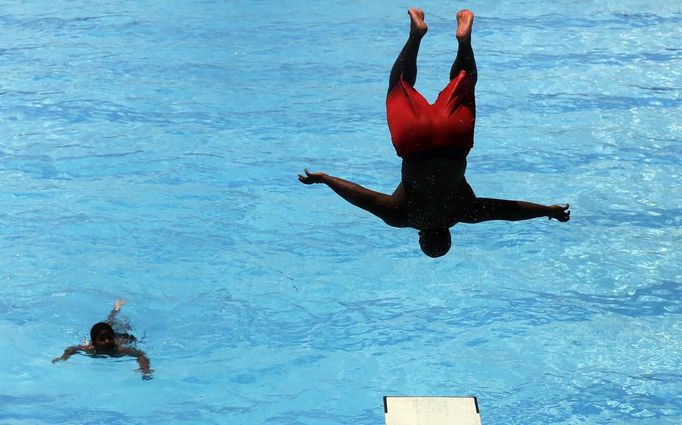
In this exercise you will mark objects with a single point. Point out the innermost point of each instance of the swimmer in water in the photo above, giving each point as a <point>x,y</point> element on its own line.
<point>104,341</point>
<point>433,142</point>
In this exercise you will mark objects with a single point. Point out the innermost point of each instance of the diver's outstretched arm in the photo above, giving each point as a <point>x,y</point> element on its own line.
<point>484,209</point>
<point>384,206</point>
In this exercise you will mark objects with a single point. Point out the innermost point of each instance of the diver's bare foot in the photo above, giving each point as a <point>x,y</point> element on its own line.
<point>417,25</point>
<point>465,20</point>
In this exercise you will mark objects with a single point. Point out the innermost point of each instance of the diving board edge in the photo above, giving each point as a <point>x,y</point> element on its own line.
<point>431,410</point>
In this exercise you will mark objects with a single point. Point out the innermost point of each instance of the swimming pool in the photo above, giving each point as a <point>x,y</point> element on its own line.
<point>150,152</point>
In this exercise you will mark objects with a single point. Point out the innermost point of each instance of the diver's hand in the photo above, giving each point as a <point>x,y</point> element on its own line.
<point>560,212</point>
<point>311,178</point>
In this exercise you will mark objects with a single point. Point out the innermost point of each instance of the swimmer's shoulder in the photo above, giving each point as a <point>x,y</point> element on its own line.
<point>130,351</point>
<point>85,348</point>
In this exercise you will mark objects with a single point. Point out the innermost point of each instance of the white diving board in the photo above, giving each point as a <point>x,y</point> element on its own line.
<point>431,411</point>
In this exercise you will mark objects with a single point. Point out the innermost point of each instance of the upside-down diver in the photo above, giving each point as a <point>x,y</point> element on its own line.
<point>433,141</point>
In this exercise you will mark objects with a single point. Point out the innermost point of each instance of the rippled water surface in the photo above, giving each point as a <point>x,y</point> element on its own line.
<point>150,151</point>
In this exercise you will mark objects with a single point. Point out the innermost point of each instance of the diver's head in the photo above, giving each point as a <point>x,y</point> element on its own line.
<point>435,242</point>
<point>102,337</point>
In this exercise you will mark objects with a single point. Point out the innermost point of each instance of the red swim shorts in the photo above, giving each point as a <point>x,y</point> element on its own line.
<point>417,126</point>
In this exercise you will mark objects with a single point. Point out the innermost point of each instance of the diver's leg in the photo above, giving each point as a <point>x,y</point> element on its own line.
<point>465,54</point>
<point>406,64</point>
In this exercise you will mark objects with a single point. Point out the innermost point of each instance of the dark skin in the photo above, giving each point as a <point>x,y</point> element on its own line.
<point>433,193</point>
<point>107,344</point>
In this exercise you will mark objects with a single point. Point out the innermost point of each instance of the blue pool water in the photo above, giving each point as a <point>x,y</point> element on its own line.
<point>150,151</point>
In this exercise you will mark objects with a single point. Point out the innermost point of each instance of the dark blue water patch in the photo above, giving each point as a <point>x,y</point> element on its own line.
<point>605,19</point>
<point>13,400</point>
<point>311,119</point>
<point>297,74</point>
<point>243,378</point>
<point>138,236</point>
<point>660,377</point>
<point>59,414</point>
<point>102,155</point>
<point>624,156</point>
<point>560,163</point>
<point>320,415</point>
<point>662,56</point>
<point>21,96</point>
<point>39,167</point>
<point>78,111</point>
<point>619,59</point>
<point>621,402</point>
<point>644,20</point>
<point>4,306</point>
<point>654,300</point>
<point>381,323</point>
<point>61,169</point>
<point>195,380</point>
<point>534,63</point>
<point>473,343</point>
<point>601,402</point>
<point>645,217</point>
<point>9,55</point>
<point>560,103</point>
<point>357,325</point>
<point>659,88</point>
<point>53,22</point>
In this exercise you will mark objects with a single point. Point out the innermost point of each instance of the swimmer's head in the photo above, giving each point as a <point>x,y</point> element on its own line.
<point>435,242</point>
<point>103,337</point>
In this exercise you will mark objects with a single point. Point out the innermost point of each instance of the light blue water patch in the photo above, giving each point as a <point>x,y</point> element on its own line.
<point>150,152</point>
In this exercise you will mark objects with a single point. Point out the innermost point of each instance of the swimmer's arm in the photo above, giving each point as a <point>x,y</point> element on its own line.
<point>384,206</point>
<point>484,209</point>
<point>68,353</point>
<point>142,360</point>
